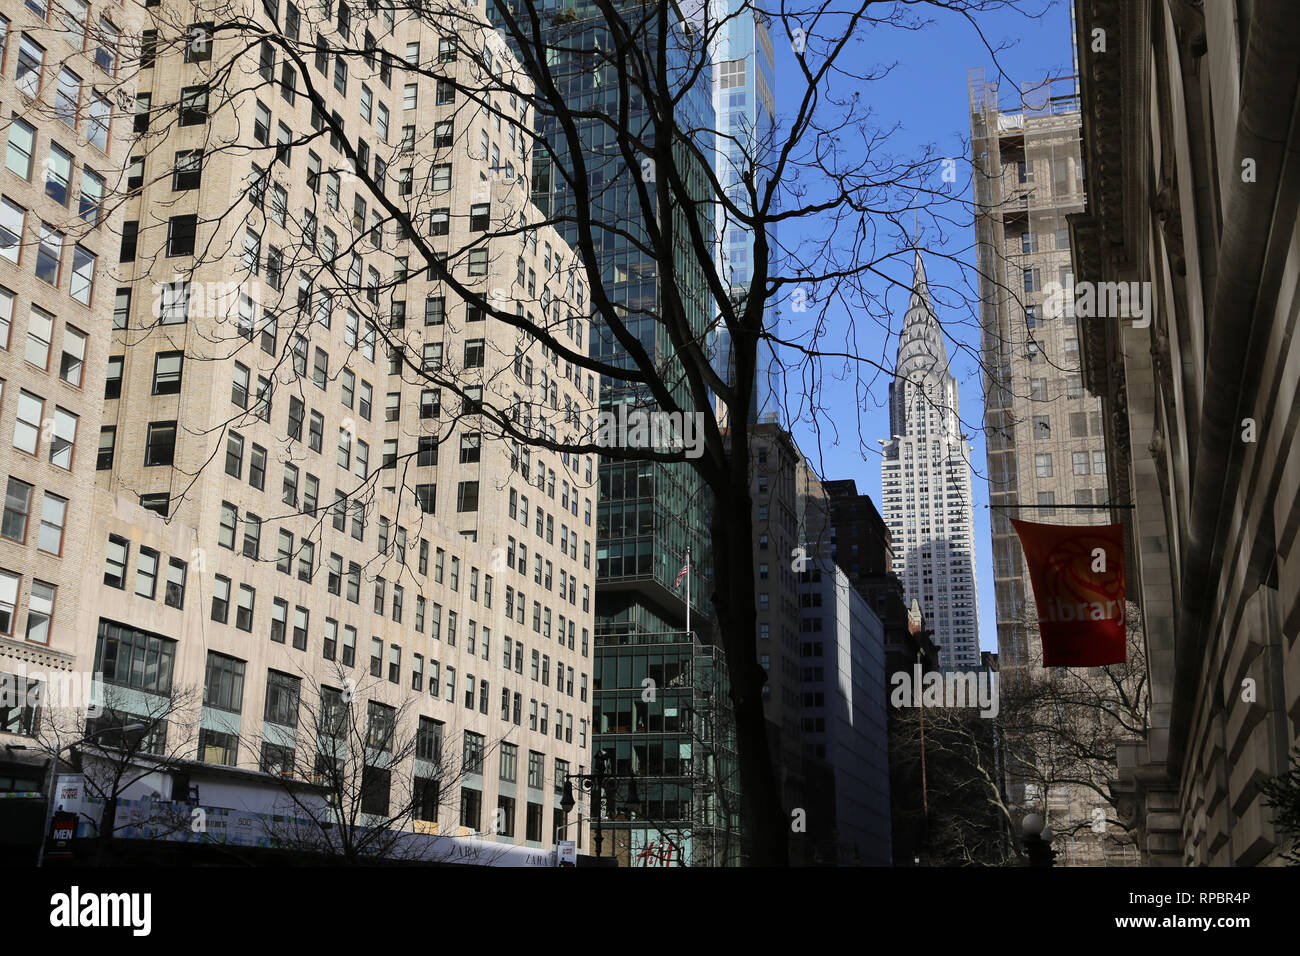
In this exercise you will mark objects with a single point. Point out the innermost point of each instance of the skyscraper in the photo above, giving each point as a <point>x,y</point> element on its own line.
<point>1045,445</point>
<point>926,483</point>
<point>259,521</point>
<point>648,512</point>
<point>1045,439</point>
<point>744,106</point>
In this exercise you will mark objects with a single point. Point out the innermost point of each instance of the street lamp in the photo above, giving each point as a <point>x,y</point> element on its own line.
<point>1037,841</point>
<point>598,783</point>
<point>54,767</point>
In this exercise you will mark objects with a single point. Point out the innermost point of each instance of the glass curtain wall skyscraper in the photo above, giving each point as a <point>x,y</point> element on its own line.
<point>648,512</point>
<point>744,77</point>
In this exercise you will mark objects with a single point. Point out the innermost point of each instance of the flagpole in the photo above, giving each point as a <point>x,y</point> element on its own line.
<point>688,589</point>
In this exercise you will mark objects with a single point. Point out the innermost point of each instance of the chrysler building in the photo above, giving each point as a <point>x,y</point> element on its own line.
<point>926,484</point>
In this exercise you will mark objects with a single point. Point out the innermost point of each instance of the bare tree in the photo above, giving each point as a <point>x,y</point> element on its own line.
<point>123,742</point>
<point>962,816</point>
<point>363,775</point>
<point>1061,728</point>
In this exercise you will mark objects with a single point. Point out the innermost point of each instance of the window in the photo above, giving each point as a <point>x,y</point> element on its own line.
<point>175,594</point>
<point>132,658</point>
<point>146,573</point>
<point>92,194</point>
<point>479,217</point>
<point>53,513</point>
<point>18,498</point>
<point>12,218</point>
<point>193,106</point>
<point>180,235</point>
<point>244,610</point>
<point>31,62</point>
<point>115,562</point>
<point>1043,465</point>
<point>478,262</point>
<point>167,373</point>
<point>258,467</point>
<point>474,353</point>
<point>22,143</point>
<point>223,685</point>
<point>67,96</point>
<point>187,171</point>
<point>435,310</point>
<point>235,455</point>
<point>252,535</point>
<point>1080,462</point>
<point>440,179</point>
<point>107,445</point>
<point>40,330</point>
<point>472,761</point>
<point>282,695</point>
<point>73,358</point>
<point>106,47</point>
<point>6,316</point>
<point>316,432</point>
<point>83,274</point>
<point>63,438</point>
<point>220,598</point>
<point>49,254</point>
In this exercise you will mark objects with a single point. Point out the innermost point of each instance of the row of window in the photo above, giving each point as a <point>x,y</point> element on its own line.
<point>40,604</point>
<point>38,343</point>
<point>32,426</point>
<point>147,571</point>
<point>20,158</point>
<point>48,246</point>
<point>29,77</point>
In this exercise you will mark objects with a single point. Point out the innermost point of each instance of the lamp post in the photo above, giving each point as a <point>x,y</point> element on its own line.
<point>599,783</point>
<point>1037,841</point>
<point>54,769</point>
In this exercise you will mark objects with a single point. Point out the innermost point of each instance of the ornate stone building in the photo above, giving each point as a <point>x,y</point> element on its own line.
<point>1192,163</point>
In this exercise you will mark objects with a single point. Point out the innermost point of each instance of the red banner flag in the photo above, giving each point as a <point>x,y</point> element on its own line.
<point>1078,578</point>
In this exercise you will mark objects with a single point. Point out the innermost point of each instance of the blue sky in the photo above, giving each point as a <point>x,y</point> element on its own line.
<point>926,96</point>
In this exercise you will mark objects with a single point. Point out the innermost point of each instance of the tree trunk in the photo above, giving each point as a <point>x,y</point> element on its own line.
<point>107,825</point>
<point>763,819</point>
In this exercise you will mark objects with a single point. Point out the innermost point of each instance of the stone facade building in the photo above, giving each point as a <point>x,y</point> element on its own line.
<point>1191,149</point>
<point>302,468</point>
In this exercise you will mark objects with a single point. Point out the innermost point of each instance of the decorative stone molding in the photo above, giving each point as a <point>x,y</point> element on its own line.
<point>35,656</point>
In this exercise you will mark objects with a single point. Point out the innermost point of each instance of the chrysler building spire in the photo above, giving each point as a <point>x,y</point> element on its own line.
<point>926,482</point>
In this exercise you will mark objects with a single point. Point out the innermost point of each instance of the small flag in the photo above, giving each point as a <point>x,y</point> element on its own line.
<point>682,573</point>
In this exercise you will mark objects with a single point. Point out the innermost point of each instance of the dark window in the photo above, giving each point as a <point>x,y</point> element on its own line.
<point>187,171</point>
<point>160,443</point>
<point>180,235</point>
<point>194,105</point>
<point>130,657</point>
